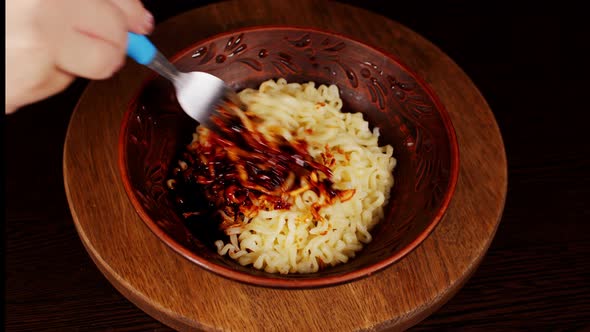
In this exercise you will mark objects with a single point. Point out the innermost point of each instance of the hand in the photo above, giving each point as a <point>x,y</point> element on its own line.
<point>50,43</point>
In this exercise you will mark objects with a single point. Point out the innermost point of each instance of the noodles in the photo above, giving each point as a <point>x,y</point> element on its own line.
<point>296,183</point>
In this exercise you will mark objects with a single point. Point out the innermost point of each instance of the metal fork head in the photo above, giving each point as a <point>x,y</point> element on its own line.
<point>199,94</point>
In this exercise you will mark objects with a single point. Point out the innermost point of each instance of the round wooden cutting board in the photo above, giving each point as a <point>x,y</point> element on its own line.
<point>185,296</point>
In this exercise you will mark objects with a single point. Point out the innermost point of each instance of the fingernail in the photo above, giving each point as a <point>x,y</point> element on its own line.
<point>148,23</point>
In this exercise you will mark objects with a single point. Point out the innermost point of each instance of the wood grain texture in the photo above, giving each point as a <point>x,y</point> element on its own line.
<point>534,276</point>
<point>186,297</point>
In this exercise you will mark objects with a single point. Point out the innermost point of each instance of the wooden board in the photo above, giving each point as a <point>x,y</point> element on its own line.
<point>186,297</point>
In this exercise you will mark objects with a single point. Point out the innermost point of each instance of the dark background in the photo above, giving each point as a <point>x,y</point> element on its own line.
<point>527,62</point>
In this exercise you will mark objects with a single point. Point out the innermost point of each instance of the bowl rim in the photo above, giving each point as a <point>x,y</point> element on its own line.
<point>313,282</point>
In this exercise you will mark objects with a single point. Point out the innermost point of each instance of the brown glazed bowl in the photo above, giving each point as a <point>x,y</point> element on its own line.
<point>409,115</point>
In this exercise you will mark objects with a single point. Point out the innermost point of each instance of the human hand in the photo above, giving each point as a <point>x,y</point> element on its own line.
<point>50,43</point>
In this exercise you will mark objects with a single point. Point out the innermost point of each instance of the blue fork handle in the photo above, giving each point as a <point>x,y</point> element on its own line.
<point>140,48</point>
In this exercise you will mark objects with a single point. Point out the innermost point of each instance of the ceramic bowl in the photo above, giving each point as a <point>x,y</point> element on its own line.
<point>379,85</point>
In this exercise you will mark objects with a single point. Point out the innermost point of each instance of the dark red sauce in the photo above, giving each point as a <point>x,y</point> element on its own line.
<point>233,171</point>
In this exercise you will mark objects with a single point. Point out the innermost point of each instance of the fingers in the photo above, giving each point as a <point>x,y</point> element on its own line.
<point>53,84</point>
<point>49,43</point>
<point>88,37</point>
<point>31,72</point>
<point>30,90</point>
<point>139,19</point>
<point>87,55</point>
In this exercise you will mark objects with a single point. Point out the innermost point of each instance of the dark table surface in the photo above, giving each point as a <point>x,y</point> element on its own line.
<point>535,276</point>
